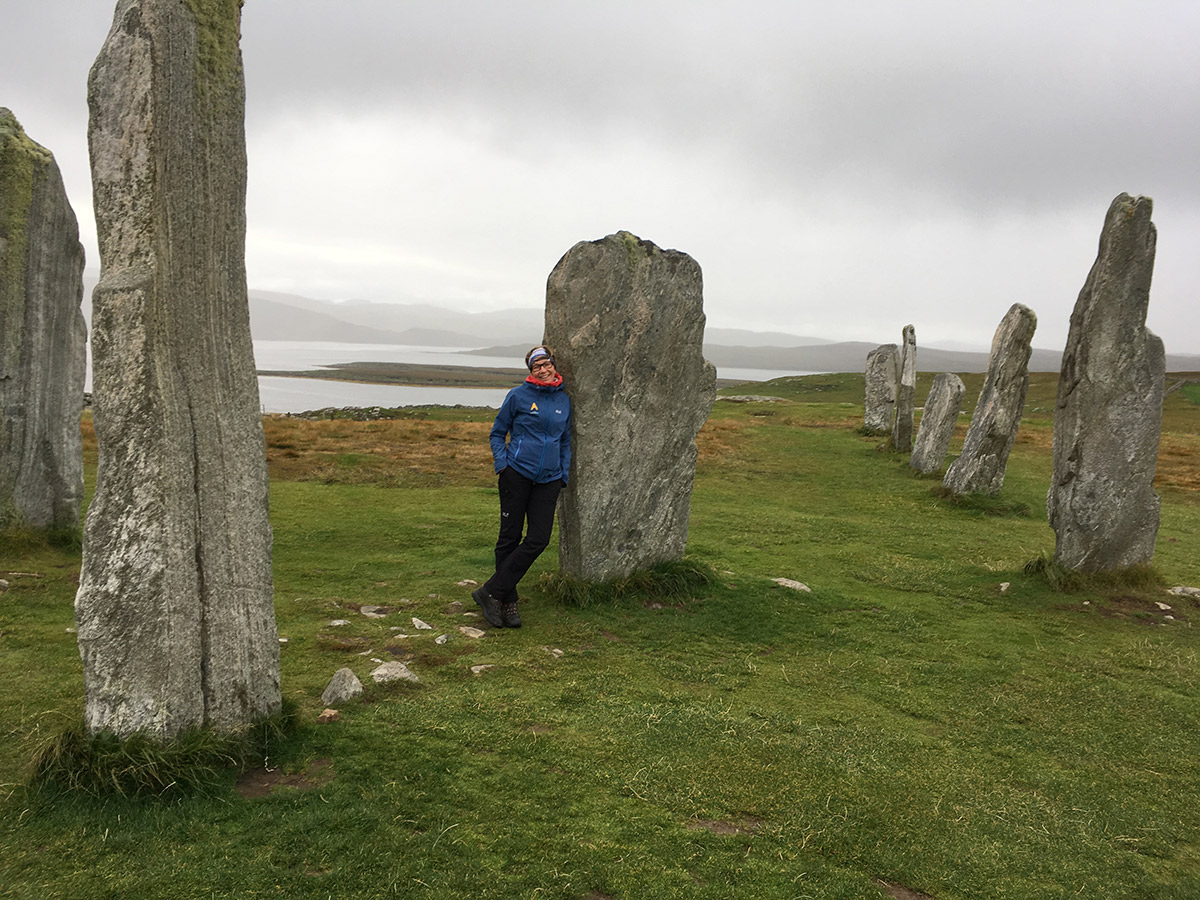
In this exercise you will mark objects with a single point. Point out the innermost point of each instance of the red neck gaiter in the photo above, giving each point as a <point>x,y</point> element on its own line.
<point>554,383</point>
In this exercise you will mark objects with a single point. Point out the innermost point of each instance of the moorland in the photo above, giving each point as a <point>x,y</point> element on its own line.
<point>930,719</point>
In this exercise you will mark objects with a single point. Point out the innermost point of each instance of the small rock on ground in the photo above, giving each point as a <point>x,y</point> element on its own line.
<point>393,671</point>
<point>1181,591</point>
<point>472,632</point>
<point>327,716</point>
<point>343,686</point>
<point>423,626</point>
<point>477,670</point>
<point>337,623</point>
<point>794,585</point>
<point>373,612</point>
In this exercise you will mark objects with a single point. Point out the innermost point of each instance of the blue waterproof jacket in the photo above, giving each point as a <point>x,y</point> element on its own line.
<point>536,420</point>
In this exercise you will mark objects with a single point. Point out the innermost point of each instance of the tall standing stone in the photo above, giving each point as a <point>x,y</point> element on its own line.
<point>627,322</point>
<point>1108,416</point>
<point>981,465</point>
<point>882,379</point>
<point>937,423</point>
<point>906,392</point>
<point>42,338</point>
<point>176,623</point>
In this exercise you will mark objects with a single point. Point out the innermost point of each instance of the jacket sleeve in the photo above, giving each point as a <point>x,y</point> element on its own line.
<point>500,430</point>
<point>565,448</point>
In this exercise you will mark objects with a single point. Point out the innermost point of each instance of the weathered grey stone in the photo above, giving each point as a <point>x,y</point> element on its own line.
<point>1108,416</point>
<point>981,465</point>
<point>882,379</point>
<point>393,671</point>
<point>343,686</point>
<point>937,423</point>
<point>906,392</point>
<point>626,320</point>
<point>176,623</point>
<point>42,338</point>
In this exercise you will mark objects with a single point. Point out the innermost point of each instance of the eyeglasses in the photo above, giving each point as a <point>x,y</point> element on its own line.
<point>543,363</point>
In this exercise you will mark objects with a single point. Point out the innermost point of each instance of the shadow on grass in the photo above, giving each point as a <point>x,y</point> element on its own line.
<point>984,504</point>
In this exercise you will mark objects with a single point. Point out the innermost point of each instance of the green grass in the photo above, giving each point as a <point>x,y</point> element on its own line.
<point>910,719</point>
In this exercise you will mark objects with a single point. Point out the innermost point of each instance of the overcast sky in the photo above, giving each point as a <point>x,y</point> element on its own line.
<point>838,170</point>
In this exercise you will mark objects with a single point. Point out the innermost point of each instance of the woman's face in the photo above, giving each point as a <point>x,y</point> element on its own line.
<point>543,369</point>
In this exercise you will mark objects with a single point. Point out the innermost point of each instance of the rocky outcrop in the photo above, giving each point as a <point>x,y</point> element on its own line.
<point>626,320</point>
<point>937,423</point>
<point>42,338</point>
<point>882,379</point>
<point>1108,417</point>
<point>176,623</point>
<point>906,392</point>
<point>981,465</point>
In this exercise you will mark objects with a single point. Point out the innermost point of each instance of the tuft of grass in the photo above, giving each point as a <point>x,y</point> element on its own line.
<point>25,539</point>
<point>672,580</point>
<point>198,761</point>
<point>985,504</point>
<point>1063,580</point>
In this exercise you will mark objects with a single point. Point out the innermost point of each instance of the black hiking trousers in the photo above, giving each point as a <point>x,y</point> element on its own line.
<point>522,501</point>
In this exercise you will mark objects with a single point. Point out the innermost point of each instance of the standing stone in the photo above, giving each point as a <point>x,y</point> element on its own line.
<point>626,320</point>
<point>882,379</point>
<point>937,423</point>
<point>906,392</point>
<point>1108,416</point>
<point>42,338</point>
<point>176,623</point>
<point>980,467</point>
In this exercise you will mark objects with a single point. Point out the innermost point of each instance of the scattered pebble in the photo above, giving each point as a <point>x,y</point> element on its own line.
<point>281,640</point>
<point>475,670</point>
<point>342,687</point>
<point>1169,618</point>
<point>472,632</point>
<point>553,651</point>
<point>393,671</point>
<point>3,585</point>
<point>1162,606</point>
<point>71,629</point>
<point>373,612</point>
<point>327,716</point>
<point>423,626</point>
<point>1087,602</point>
<point>1181,591</point>
<point>1004,586</point>
<point>468,582</point>
<point>337,623</point>
<point>441,639</point>
<point>794,585</point>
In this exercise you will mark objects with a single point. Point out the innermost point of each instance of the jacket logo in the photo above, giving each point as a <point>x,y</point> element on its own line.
<point>533,407</point>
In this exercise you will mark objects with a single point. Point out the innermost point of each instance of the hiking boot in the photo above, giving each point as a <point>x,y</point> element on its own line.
<point>489,605</point>
<point>512,618</point>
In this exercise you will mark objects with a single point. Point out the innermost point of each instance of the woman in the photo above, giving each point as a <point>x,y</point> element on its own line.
<point>531,447</point>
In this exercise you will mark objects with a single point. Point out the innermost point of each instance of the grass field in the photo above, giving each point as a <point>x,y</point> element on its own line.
<point>928,721</point>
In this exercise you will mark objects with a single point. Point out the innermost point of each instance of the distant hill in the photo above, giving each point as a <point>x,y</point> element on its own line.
<point>276,316</point>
